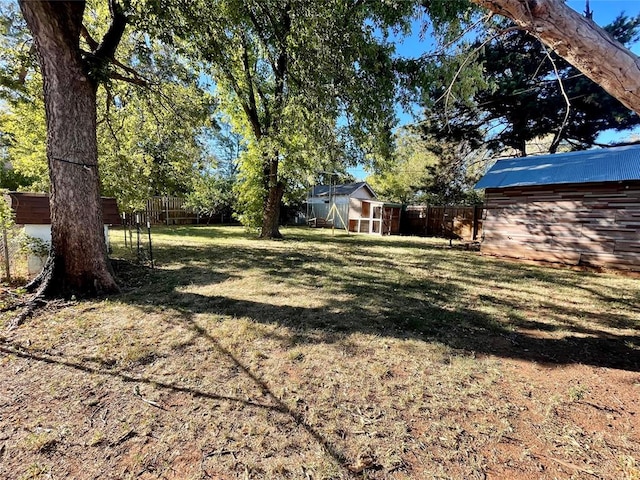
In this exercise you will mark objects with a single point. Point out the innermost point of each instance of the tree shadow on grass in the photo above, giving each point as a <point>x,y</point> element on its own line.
<point>466,330</point>
<point>382,301</point>
<point>273,403</point>
<point>429,310</point>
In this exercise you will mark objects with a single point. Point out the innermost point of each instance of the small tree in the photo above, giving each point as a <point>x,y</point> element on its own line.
<point>403,179</point>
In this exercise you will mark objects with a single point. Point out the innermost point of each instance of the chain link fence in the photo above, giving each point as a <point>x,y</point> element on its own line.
<point>22,256</point>
<point>16,256</point>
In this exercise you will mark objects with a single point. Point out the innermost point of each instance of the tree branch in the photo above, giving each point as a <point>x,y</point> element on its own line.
<point>133,80</point>
<point>261,36</point>
<point>92,42</point>
<point>246,65</point>
<point>580,42</point>
<point>441,52</point>
<point>282,68</point>
<point>107,48</point>
<point>557,138</point>
<point>265,105</point>
<point>281,37</point>
<point>107,116</point>
<point>130,71</point>
<point>448,92</point>
<point>252,115</point>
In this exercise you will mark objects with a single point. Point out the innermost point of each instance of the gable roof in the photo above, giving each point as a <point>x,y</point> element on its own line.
<point>345,189</point>
<point>33,209</point>
<point>602,165</point>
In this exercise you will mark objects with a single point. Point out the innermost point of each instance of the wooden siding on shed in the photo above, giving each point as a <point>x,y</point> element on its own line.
<point>33,209</point>
<point>587,224</point>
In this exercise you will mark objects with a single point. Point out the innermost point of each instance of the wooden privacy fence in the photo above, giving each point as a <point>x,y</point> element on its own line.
<point>164,211</point>
<point>459,222</point>
<point>169,211</point>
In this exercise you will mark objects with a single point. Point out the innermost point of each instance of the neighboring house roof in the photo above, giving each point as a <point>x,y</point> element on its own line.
<point>602,165</point>
<point>347,189</point>
<point>33,209</point>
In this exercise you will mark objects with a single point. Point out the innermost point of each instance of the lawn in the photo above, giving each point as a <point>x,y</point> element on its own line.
<point>327,357</point>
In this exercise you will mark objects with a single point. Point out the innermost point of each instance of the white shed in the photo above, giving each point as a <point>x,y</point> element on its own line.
<point>31,211</point>
<point>353,206</point>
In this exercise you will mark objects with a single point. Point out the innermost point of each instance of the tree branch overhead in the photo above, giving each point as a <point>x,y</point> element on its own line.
<point>579,41</point>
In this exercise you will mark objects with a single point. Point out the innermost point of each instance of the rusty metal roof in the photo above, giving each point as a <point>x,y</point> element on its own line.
<point>33,209</point>
<point>615,164</point>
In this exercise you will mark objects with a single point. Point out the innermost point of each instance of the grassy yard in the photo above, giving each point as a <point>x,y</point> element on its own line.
<point>322,357</point>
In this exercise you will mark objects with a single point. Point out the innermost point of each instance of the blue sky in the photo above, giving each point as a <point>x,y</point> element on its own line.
<point>604,12</point>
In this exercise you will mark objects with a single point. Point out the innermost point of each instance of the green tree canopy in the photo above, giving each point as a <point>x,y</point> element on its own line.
<point>152,129</point>
<point>307,84</point>
<point>429,171</point>
<point>404,179</point>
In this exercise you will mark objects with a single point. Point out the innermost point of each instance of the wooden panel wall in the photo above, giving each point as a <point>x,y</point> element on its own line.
<point>589,224</point>
<point>33,209</point>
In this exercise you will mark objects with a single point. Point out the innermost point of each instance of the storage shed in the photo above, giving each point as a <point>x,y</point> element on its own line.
<point>579,208</point>
<point>353,206</point>
<point>31,211</point>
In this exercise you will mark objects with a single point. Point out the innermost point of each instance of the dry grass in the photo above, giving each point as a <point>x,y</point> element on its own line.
<point>327,357</point>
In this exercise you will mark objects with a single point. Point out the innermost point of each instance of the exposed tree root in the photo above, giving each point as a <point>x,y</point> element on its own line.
<point>12,307</point>
<point>29,307</point>
<point>42,283</point>
<point>46,292</point>
<point>43,277</point>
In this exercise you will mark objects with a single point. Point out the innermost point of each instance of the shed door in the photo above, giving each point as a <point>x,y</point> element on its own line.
<point>366,206</point>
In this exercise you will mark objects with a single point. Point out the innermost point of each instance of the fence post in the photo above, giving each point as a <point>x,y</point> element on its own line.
<point>426,222</point>
<point>477,212</point>
<point>5,244</point>
<point>124,228</point>
<point>150,248</point>
<point>138,235</point>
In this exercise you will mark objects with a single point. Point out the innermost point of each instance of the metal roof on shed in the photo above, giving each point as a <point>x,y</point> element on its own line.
<point>602,165</point>
<point>344,189</point>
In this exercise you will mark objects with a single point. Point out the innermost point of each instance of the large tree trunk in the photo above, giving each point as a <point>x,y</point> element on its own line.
<point>579,41</point>
<point>271,214</point>
<point>78,263</point>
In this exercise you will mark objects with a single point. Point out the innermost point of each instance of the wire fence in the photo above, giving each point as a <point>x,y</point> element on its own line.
<point>22,256</point>
<point>15,256</point>
<point>137,239</point>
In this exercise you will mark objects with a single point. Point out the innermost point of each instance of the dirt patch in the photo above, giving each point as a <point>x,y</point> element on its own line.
<point>570,422</point>
<point>197,414</point>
